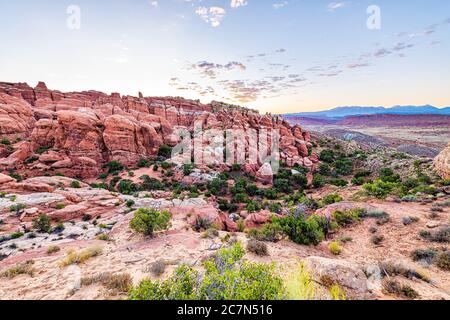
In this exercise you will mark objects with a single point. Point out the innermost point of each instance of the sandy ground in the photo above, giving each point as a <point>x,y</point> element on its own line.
<point>132,254</point>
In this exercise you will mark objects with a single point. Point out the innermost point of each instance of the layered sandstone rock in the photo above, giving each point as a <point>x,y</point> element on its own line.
<point>78,132</point>
<point>442,163</point>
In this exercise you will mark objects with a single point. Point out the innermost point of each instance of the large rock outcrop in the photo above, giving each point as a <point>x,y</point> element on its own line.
<point>442,163</point>
<point>76,133</point>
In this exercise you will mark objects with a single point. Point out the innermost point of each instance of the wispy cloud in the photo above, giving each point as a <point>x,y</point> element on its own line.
<point>211,15</point>
<point>279,5</point>
<point>336,5</point>
<point>238,3</point>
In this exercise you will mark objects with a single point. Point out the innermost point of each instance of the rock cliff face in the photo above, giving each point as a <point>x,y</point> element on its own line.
<point>78,132</point>
<point>442,163</point>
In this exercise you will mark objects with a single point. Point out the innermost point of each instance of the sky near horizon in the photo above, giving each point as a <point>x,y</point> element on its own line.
<point>278,56</point>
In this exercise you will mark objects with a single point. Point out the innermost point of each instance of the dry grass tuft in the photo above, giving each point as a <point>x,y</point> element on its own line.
<point>79,257</point>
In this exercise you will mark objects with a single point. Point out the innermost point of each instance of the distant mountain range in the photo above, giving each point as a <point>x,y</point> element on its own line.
<point>342,112</point>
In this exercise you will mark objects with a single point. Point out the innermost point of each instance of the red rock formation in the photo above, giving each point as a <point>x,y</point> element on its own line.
<point>442,163</point>
<point>84,130</point>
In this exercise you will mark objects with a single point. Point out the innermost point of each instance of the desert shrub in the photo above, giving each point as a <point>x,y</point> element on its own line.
<point>391,286</point>
<point>275,207</point>
<point>43,223</point>
<point>343,167</point>
<point>377,239</point>
<point>253,206</point>
<point>345,239</point>
<point>335,248</point>
<point>300,285</point>
<point>269,232</point>
<point>75,184</point>
<point>151,184</point>
<point>16,235</point>
<point>229,278</point>
<point>226,277</point>
<point>143,163</point>
<point>5,142</point>
<point>180,286</point>
<point>358,181</point>
<point>19,269</point>
<point>188,169</point>
<point>442,235</point>
<point>43,149</point>
<point>119,283</point>
<point>158,267</point>
<point>338,182</point>
<point>324,169</point>
<point>53,249</point>
<point>337,292</point>
<point>327,156</point>
<point>409,220</point>
<point>318,181</point>
<point>426,189</point>
<point>363,173</point>
<point>379,189</point>
<point>282,185</point>
<point>17,208</point>
<point>218,187</point>
<point>240,198</point>
<point>252,190</point>
<point>308,231</point>
<point>257,247</point>
<point>60,206</point>
<point>165,152</point>
<point>211,233</point>
<point>331,198</point>
<point>443,260</point>
<point>147,221</point>
<point>270,194</point>
<point>79,257</point>
<point>114,167</point>
<point>299,180</point>
<point>103,237</point>
<point>236,167</point>
<point>387,175</point>
<point>424,255</point>
<point>346,218</point>
<point>127,187</point>
<point>130,203</point>
<point>240,225</point>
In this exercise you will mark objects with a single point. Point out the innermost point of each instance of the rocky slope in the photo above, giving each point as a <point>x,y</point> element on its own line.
<point>78,132</point>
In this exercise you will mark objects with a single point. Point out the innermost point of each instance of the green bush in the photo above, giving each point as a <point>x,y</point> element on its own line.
<point>226,277</point>
<point>358,181</point>
<point>147,221</point>
<point>151,184</point>
<point>307,232</point>
<point>318,181</point>
<point>282,185</point>
<point>188,169</point>
<point>269,232</point>
<point>332,198</point>
<point>165,152</point>
<point>43,223</point>
<point>270,194</point>
<point>253,206</point>
<point>346,218</point>
<point>327,156</point>
<point>143,163</point>
<point>127,187</point>
<point>343,167</point>
<point>114,167</point>
<point>257,247</point>
<point>379,189</point>
<point>324,169</point>
<point>338,182</point>
<point>218,187</point>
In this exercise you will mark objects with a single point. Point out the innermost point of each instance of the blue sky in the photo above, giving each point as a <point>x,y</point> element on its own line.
<point>272,55</point>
